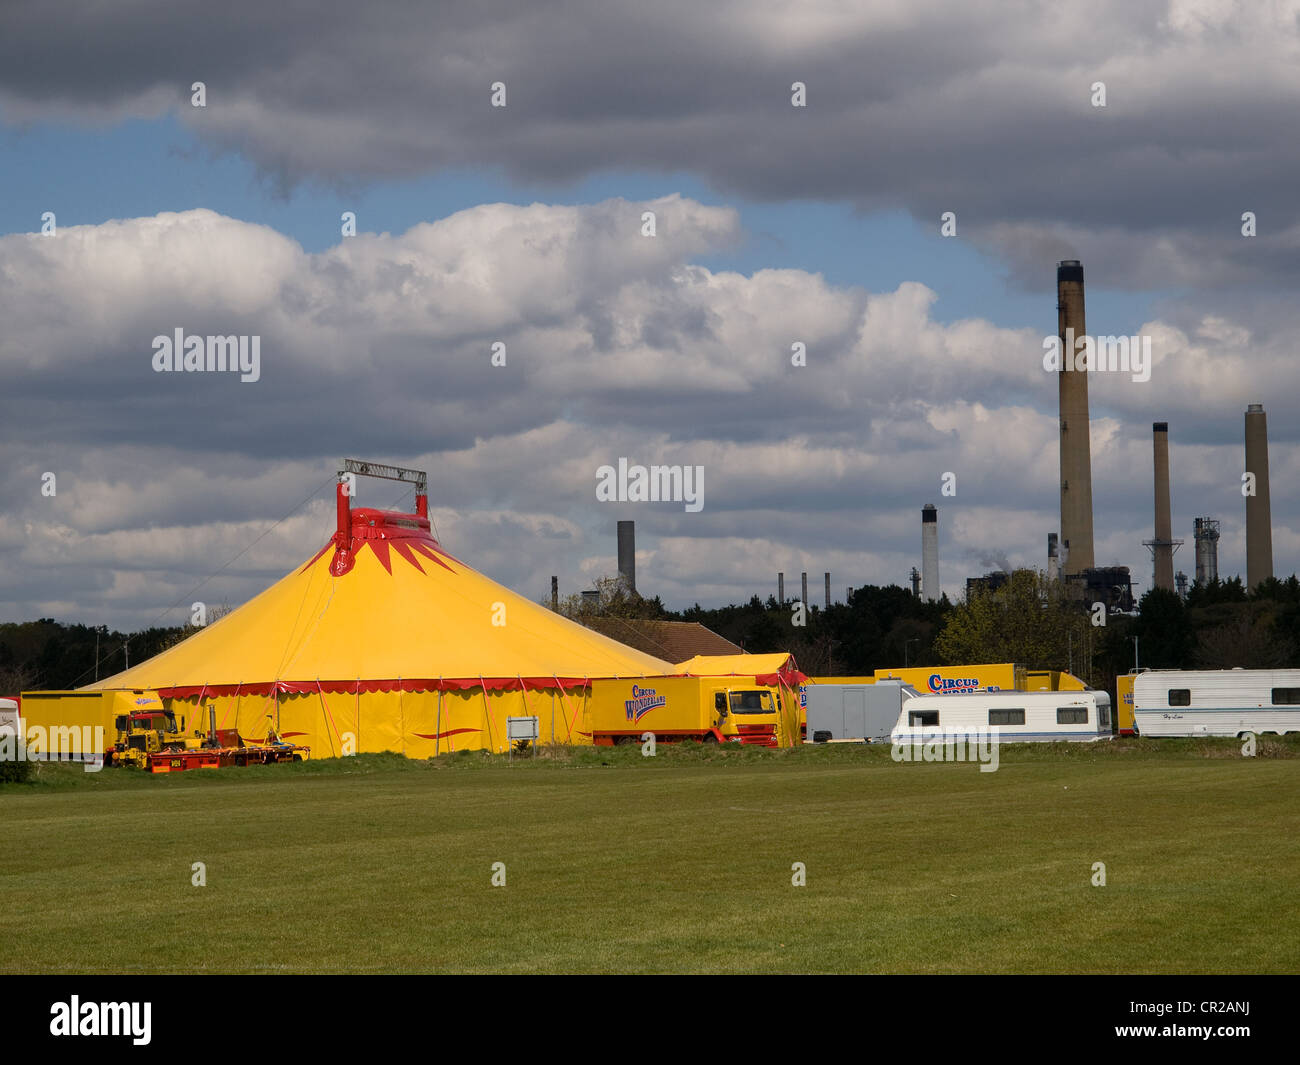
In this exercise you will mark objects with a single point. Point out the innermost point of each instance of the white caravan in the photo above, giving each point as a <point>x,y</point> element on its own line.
<point>9,719</point>
<point>1020,717</point>
<point>1216,702</point>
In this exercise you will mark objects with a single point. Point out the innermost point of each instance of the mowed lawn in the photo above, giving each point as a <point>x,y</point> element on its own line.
<point>680,863</point>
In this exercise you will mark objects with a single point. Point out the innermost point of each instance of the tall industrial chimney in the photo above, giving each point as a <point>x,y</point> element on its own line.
<point>828,589</point>
<point>1206,533</point>
<point>555,593</point>
<point>804,598</point>
<point>1259,518</point>
<point>1076,451</point>
<point>929,553</point>
<point>780,589</point>
<point>916,582</point>
<point>627,555</point>
<point>1162,549</point>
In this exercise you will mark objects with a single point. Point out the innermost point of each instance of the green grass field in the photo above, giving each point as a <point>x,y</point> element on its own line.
<point>680,863</point>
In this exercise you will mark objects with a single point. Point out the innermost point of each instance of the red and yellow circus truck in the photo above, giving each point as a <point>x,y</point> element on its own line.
<point>707,709</point>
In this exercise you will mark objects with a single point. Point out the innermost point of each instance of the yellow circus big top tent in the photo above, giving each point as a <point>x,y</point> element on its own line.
<point>385,642</point>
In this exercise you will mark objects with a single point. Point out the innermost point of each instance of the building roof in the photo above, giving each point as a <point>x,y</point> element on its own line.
<point>673,641</point>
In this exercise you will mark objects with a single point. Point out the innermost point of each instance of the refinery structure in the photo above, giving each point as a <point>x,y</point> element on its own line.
<point>1071,553</point>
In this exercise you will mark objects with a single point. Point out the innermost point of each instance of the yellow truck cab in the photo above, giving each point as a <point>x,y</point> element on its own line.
<point>707,709</point>
<point>141,733</point>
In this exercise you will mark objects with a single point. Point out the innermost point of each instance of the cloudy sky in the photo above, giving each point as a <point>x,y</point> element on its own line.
<point>522,225</point>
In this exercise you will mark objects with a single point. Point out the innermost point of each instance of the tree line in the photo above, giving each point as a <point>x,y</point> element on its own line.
<point>1028,620</point>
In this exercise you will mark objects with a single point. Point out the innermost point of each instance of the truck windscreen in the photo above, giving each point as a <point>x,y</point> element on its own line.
<point>752,702</point>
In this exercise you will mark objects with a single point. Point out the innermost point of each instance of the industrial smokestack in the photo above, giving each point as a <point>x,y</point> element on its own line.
<point>780,588</point>
<point>828,589</point>
<point>929,553</point>
<point>1053,558</point>
<point>916,582</point>
<point>1259,517</point>
<point>555,593</point>
<point>804,598</point>
<point>1162,548</point>
<point>1076,450</point>
<point>1206,533</point>
<point>627,555</point>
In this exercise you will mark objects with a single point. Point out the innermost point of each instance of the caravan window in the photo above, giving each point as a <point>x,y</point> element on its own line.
<point>1071,715</point>
<point>922,717</point>
<point>1286,696</point>
<point>1180,696</point>
<point>1006,717</point>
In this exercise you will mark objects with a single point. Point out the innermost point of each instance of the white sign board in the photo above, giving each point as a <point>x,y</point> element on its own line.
<point>523,728</point>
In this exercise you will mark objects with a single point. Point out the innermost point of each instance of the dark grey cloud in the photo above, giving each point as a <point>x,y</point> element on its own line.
<point>981,108</point>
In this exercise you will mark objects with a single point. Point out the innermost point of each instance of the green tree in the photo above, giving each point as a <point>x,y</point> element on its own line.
<point>1028,621</point>
<point>1164,631</point>
<point>1250,641</point>
<point>614,601</point>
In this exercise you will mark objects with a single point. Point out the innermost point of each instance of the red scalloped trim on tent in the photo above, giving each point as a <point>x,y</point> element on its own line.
<point>790,677</point>
<point>303,687</point>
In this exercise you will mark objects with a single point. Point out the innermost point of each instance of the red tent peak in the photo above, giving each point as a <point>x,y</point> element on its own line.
<point>409,535</point>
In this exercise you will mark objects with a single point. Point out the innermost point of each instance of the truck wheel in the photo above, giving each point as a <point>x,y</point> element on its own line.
<point>709,737</point>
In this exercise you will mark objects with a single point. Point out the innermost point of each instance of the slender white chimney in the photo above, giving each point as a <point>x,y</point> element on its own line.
<point>627,555</point>
<point>1259,518</point>
<point>929,553</point>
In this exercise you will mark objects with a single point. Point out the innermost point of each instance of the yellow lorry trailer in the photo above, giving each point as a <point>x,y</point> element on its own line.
<point>708,709</point>
<point>80,725</point>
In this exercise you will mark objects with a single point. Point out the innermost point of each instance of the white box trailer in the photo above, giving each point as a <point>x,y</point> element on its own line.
<point>1216,702</point>
<point>1020,717</point>
<point>10,721</point>
<point>854,712</point>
